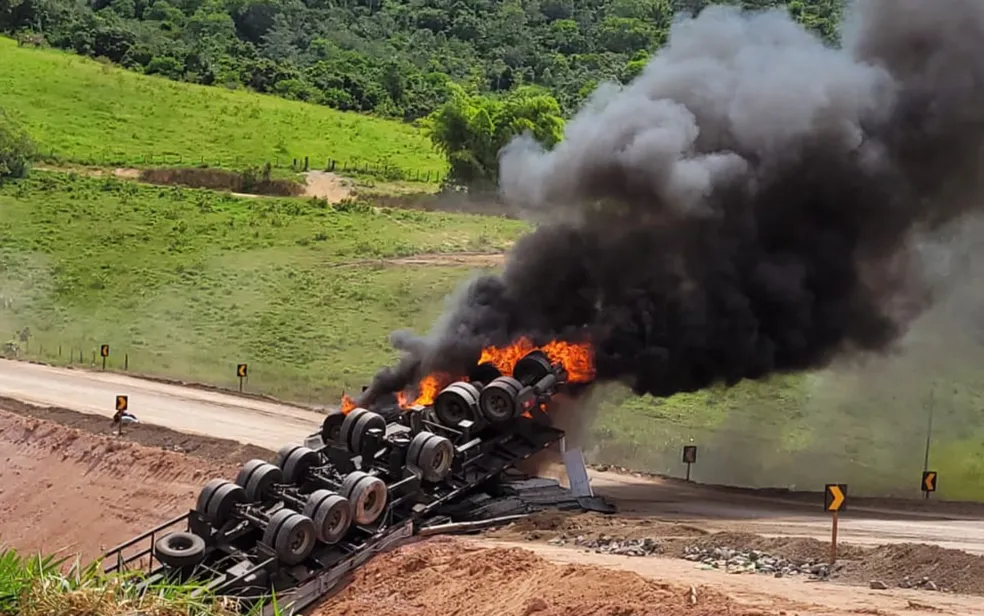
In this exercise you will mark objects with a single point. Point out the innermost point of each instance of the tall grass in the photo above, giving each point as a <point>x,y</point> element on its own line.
<point>49,586</point>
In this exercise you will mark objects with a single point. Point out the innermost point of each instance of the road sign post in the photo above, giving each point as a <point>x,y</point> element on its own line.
<point>928,482</point>
<point>104,352</point>
<point>689,457</point>
<point>241,373</point>
<point>834,499</point>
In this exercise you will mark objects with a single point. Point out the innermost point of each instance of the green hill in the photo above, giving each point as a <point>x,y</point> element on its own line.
<point>187,283</point>
<point>90,112</point>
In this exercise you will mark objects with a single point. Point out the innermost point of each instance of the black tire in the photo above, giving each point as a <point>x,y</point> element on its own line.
<point>298,464</point>
<point>283,453</point>
<point>456,403</point>
<point>434,457</point>
<point>532,367</point>
<point>223,502</point>
<point>331,428</point>
<point>331,514</point>
<point>180,550</point>
<point>345,432</point>
<point>242,479</point>
<point>367,495</point>
<point>484,373</point>
<point>366,422</point>
<point>261,481</point>
<point>291,535</point>
<point>498,402</point>
<point>201,506</point>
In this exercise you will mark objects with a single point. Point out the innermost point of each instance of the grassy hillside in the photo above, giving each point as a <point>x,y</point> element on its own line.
<point>189,283</point>
<point>85,111</point>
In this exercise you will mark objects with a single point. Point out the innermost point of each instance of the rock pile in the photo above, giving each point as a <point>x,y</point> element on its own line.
<point>605,544</point>
<point>754,561</point>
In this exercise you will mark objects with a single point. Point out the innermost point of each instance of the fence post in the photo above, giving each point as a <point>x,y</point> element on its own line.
<point>306,167</point>
<point>126,362</point>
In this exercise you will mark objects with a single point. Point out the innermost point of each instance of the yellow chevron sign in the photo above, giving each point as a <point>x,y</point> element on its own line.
<point>835,494</point>
<point>929,481</point>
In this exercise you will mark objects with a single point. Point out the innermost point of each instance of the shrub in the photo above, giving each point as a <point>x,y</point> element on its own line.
<point>16,149</point>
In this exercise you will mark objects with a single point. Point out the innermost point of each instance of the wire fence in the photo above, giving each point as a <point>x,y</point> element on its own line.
<point>260,378</point>
<point>380,170</point>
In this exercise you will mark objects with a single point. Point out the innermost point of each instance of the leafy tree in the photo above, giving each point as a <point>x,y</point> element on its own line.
<point>471,130</point>
<point>398,58</point>
<point>16,149</point>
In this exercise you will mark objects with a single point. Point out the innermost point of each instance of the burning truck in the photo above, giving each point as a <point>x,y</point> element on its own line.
<point>426,460</point>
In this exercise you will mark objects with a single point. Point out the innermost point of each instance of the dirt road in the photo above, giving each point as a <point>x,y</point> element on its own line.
<point>186,409</point>
<point>270,425</point>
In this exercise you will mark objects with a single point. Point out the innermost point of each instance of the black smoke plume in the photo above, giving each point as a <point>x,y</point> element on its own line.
<point>749,204</point>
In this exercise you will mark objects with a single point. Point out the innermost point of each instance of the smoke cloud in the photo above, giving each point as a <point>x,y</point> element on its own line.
<point>752,203</point>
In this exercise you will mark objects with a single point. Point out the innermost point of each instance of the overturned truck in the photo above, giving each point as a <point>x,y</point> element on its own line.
<point>369,479</point>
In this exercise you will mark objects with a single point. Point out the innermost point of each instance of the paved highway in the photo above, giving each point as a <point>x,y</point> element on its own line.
<point>270,425</point>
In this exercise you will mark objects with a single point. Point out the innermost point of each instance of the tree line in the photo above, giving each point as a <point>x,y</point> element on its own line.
<point>402,59</point>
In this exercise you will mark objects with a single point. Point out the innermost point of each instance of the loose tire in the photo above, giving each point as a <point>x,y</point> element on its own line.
<point>291,535</point>
<point>180,550</point>
<point>331,514</point>
<point>367,494</point>
<point>431,453</point>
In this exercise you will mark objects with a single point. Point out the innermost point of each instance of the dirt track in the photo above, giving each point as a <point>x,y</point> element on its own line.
<point>270,425</point>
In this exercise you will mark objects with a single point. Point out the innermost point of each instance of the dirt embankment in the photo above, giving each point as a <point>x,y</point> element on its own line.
<point>447,576</point>
<point>67,490</point>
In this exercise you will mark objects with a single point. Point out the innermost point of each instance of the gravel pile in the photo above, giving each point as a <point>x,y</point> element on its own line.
<point>610,545</point>
<point>754,561</point>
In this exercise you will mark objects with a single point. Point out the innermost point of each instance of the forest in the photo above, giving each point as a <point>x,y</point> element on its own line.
<point>392,58</point>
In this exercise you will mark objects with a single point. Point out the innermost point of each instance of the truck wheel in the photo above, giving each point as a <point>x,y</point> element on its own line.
<point>345,432</point>
<point>367,494</point>
<point>298,463</point>
<point>223,502</point>
<point>261,481</point>
<point>283,453</point>
<point>291,535</point>
<point>431,453</point>
<point>201,506</point>
<point>242,479</point>
<point>331,513</point>
<point>180,550</point>
<point>360,433</point>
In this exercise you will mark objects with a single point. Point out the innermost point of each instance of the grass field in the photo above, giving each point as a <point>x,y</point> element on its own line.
<point>85,111</point>
<point>188,282</point>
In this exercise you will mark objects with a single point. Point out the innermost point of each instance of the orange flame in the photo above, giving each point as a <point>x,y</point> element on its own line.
<point>430,386</point>
<point>576,358</point>
<point>348,404</point>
